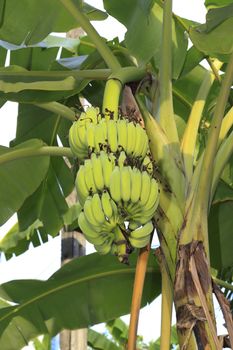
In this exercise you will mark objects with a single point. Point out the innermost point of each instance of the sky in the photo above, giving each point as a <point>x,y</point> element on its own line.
<point>30,264</point>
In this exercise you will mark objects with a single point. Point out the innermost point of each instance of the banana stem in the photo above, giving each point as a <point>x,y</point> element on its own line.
<point>35,152</point>
<point>190,135</point>
<point>206,173</point>
<point>101,46</point>
<point>167,120</point>
<point>58,108</point>
<point>167,300</point>
<point>115,84</point>
<point>137,296</point>
<point>226,125</point>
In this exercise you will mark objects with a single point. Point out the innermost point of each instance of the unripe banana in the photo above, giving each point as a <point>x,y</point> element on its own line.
<point>105,247</point>
<point>122,245</point>
<point>91,114</point>
<point>89,177</point>
<point>122,134</point>
<point>97,209</point>
<point>106,204</point>
<point>145,189</point>
<point>115,184</point>
<point>81,187</point>
<point>130,138</point>
<point>89,213</point>
<point>153,197</point>
<point>112,135</point>
<point>147,164</point>
<point>97,172</point>
<point>139,141</point>
<point>122,159</point>
<point>125,183</point>
<point>142,231</point>
<point>99,138</point>
<point>91,137</point>
<point>86,228</point>
<point>108,163</point>
<point>139,242</point>
<point>136,184</point>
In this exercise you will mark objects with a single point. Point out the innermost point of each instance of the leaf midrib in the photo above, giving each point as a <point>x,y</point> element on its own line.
<point>69,284</point>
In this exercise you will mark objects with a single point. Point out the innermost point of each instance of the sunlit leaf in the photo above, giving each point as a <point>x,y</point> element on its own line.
<point>20,178</point>
<point>86,291</point>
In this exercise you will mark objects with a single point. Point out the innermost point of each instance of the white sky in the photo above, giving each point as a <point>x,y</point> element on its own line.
<point>31,264</point>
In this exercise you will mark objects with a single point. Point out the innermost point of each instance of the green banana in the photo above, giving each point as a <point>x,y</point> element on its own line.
<point>89,177</point>
<point>91,137</point>
<point>81,187</point>
<point>108,163</point>
<point>139,242</point>
<point>112,135</point>
<point>122,159</point>
<point>136,185</point>
<point>122,134</point>
<point>122,245</point>
<point>89,213</point>
<point>106,204</point>
<point>125,183</point>
<point>97,209</point>
<point>130,138</point>
<point>91,114</point>
<point>142,231</point>
<point>145,188</point>
<point>99,138</point>
<point>115,184</point>
<point>105,247</point>
<point>139,141</point>
<point>86,228</point>
<point>97,172</point>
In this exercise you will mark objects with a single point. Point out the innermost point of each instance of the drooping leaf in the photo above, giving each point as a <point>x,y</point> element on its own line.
<point>118,330</point>
<point>220,235</point>
<point>86,291</point>
<point>192,59</point>
<point>43,17</point>
<point>144,26</point>
<point>20,178</point>
<point>217,3</point>
<point>16,242</point>
<point>211,37</point>
<point>99,341</point>
<point>48,202</point>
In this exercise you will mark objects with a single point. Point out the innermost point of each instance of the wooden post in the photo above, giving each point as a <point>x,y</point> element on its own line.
<point>73,246</point>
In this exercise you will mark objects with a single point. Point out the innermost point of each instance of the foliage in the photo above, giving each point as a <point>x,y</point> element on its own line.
<point>48,76</point>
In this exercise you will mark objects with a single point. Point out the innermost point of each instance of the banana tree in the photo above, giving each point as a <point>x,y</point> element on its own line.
<point>179,120</point>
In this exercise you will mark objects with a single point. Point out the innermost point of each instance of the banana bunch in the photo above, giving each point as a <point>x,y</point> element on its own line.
<point>93,133</point>
<point>115,183</point>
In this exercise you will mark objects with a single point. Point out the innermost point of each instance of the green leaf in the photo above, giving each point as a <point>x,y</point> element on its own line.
<point>119,330</point>
<point>42,18</point>
<point>43,344</point>
<point>48,203</point>
<point>220,235</point>
<point>99,341</point>
<point>192,59</point>
<point>144,24</point>
<point>18,84</point>
<point>14,241</point>
<point>217,3</point>
<point>86,291</point>
<point>20,178</point>
<point>212,37</point>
